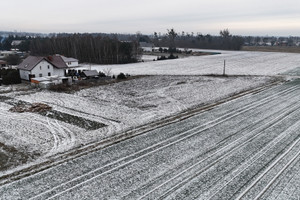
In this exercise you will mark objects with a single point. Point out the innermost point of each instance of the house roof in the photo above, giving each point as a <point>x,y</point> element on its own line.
<point>3,62</point>
<point>57,61</point>
<point>31,61</point>
<point>69,59</point>
<point>90,73</point>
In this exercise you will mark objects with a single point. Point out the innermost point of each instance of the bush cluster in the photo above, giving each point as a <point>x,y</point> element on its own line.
<point>171,56</point>
<point>121,76</point>
<point>10,76</point>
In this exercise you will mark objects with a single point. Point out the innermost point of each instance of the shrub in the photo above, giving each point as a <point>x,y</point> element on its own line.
<point>171,56</point>
<point>121,76</point>
<point>161,58</point>
<point>101,74</point>
<point>11,77</point>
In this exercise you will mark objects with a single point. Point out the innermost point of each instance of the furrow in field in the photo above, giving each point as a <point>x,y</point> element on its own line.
<point>223,118</point>
<point>292,147</point>
<point>288,186</point>
<point>286,135</point>
<point>195,170</point>
<point>230,177</point>
<point>234,138</point>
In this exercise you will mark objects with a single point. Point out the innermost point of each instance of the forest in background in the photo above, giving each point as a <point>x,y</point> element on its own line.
<point>88,48</point>
<point>102,48</point>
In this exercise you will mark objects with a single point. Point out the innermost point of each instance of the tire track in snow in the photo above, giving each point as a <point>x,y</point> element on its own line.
<point>228,179</point>
<point>269,168</point>
<point>138,155</point>
<point>252,126</point>
<point>63,138</point>
<point>61,135</point>
<point>228,149</point>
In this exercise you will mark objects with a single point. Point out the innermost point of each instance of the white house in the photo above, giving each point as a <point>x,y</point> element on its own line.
<point>36,66</point>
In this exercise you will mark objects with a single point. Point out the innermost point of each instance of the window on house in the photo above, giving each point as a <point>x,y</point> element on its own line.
<point>49,74</point>
<point>40,67</point>
<point>48,66</point>
<point>41,75</point>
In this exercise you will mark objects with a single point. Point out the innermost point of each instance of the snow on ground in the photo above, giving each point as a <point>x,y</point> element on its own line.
<point>128,104</point>
<point>119,106</point>
<point>237,63</point>
<point>247,148</point>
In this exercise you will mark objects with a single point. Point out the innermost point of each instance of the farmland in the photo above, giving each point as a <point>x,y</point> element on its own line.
<point>237,63</point>
<point>246,148</point>
<point>111,109</point>
<point>243,145</point>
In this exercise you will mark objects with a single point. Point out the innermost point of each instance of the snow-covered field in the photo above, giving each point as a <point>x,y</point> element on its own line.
<point>237,63</point>
<point>129,104</point>
<point>120,106</point>
<point>246,148</point>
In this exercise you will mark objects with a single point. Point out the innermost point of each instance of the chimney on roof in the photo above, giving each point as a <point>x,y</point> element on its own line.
<point>50,58</point>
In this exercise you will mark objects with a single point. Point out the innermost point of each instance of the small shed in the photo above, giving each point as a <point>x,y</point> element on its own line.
<point>91,74</point>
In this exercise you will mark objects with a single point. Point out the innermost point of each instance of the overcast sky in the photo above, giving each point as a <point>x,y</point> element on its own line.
<point>241,17</point>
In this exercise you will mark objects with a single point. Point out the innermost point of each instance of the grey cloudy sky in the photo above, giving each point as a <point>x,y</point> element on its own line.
<point>241,17</point>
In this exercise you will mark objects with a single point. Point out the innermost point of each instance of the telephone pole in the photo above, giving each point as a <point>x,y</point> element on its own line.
<point>224,67</point>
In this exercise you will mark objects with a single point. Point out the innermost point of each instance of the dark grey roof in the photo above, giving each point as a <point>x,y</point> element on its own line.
<point>57,61</point>
<point>90,73</point>
<point>31,61</point>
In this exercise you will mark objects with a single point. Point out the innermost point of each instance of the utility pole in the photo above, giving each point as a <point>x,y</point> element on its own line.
<point>224,67</point>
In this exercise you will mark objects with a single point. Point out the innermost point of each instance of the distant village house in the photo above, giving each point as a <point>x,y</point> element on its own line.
<point>5,54</point>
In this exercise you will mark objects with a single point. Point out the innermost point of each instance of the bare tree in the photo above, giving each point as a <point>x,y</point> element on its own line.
<point>107,71</point>
<point>172,35</point>
<point>225,33</point>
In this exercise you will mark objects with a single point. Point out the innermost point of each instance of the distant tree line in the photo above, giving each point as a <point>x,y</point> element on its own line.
<point>88,48</point>
<point>225,41</point>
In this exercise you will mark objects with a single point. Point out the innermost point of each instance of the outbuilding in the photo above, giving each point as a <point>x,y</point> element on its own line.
<point>91,73</point>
